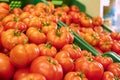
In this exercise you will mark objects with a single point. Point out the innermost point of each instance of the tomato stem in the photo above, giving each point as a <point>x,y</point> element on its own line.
<point>58,33</point>
<point>74,46</point>
<point>51,61</point>
<point>48,45</point>
<point>17,33</point>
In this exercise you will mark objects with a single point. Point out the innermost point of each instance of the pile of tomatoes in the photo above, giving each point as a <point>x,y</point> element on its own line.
<point>33,47</point>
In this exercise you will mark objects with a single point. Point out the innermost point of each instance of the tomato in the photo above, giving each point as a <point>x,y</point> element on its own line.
<point>33,76</point>
<point>86,21</point>
<point>105,43</point>
<point>21,55</point>
<point>109,76</point>
<point>75,76</point>
<point>11,37</point>
<point>64,8</point>
<point>58,38</point>
<point>16,11</point>
<point>97,21</point>
<point>92,38</point>
<point>85,53</point>
<point>48,26</point>
<point>47,50</point>
<point>75,27</point>
<point>36,35</point>
<point>48,67</point>
<point>63,57</point>
<point>115,35</point>
<point>12,21</point>
<point>20,73</point>
<point>29,8</point>
<point>74,8</point>
<point>74,50</point>
<point>116,46</point>
<point>104,60</point>
<point>115,69</point>
<point>6,68</point>
<point>1,30</point>
<point>4,10</point>
<point>90,68</point>
<point>98,29</point>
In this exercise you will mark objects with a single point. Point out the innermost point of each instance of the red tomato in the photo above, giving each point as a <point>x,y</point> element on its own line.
<point>115,35</point>
<point>74,50</point>
<point>63,57</point>
<point>13,21</point>
<point>104,60</point>
<point>97,21</point>
<point>90,68</point>
<point>116,46</point>
<point>48,67</point>
<point>105,43</point>
<point>48,26</point>
<point>12,37</point>
<point>36,35</point>
<point>86,21</point>
<point>28,8</point>
<point>108,76</point>
<point>74,8</point>
<point>115,69</point>
<point>75,27</point>
<point>4,10</point>
<point>33,76</point>
<point>21,55</point>
<point>6,68</point>
<point>47,50</point>
<point>20,73</point>
<point>75,76</point>
<point>17,11</point>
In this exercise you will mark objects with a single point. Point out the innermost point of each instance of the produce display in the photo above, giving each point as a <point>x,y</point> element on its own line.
<point>35,45</point>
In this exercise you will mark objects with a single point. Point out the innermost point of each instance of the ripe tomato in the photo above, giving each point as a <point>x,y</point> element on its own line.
<point>48,26</point>
<point>13,21</point>
<point>48,67</point>
<point>108,76</point>
<point>4,10</point>
<point>29,8</point>
<point>35,35</point>
<point>47,50</point>
<point>116,46</point>
<point>74,50</point>
<point>115,35</point>
<point>58,38</point>
<point>21,55</point>
<point>12,37</point>
<point>75,76</point>
<point>74,8</point>
<point>17,11</point>
<point>90,68</point>
<point>105,43</point>
<point>85,53</point>
<point>104,60</point>
<point>63,57</point>
<point>33,76</point>
<point>20,73</point>
<point>6,68</point>
<point>97,21</point>
<point>115,69</point>
<point>86,21</point>
<point>75,27</point>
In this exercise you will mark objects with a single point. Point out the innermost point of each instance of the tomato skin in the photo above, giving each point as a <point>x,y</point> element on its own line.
<point>21,55</point>
<point>28,8</point>
<point>12,37</point>
<point>17,11</point>
<point>74,8</point>
<point>33,76</point>
<point>116,46</point>
<point>4,10</point>
<point>47,50</point>
<point>74,50</point>
<point>90,68</point>
<point>105,61</point>
<point>20,73</point>
<point>6,68</point>
<point>36,36</point>
<point>115,69</point>
<point>65,60</point>
<point>86,21</point>
<point>97,21</point>
<point>48,26</point>
<point>108,76</point>
<point>75,76</point>
<point>48,67</point>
